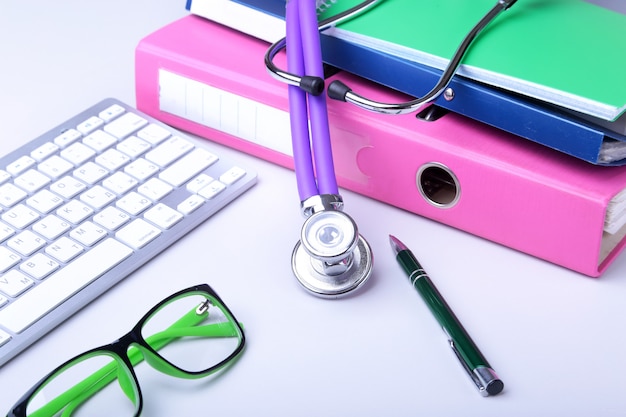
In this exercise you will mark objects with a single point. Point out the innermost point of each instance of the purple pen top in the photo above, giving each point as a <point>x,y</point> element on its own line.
<point>396,245</point>
<point>305,175</point>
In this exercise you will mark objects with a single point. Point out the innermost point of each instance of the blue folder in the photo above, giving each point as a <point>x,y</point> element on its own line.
<point>535,120</point>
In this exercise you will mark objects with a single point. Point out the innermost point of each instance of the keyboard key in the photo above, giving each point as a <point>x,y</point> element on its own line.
<point>8,258</point>
<point>44,201</point>
<point>155,189</point>
<point>120,183</point>
<point>26,243</point>
<point>20,216</point>
<point>55,167</point>
<point>141,169</point>
<point>4,176</point>
<point>99,140</point>
<point>169,151</point>
<point>138,233</point>
<point>90,125</point>
<point>75,211</point>
<point>133,203</point>
<point>4,336</point>
<point>13,283</point>
<point>5,231</point>
<point>125,125</point>
<point>232,175</point>
<point>77,153</point>
<point>11,195</point>
<point>133,147</point>
<point>20,165</point>
<point>163,216</point>
<point>198,183</point>
<point>39,266</point>
<point>44,151</point>
<point>189,165</point>
<point>67,138</point>
<point>111,112</point>
<point>211,190</point>
<point>68,187</point>
<point>64,249</point>
<point>97,197</point>
<point>112,159</point>
<point>32,181</point>
<point>153,134</point>
<point>111,218</point>
<point>51,227</point>
<point>190,204</point>
<point>88,233</point>
<point>61,285</point>
<point>90,173</point>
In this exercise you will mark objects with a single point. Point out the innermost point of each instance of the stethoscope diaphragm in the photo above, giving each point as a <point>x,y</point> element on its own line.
<point>331,259</point>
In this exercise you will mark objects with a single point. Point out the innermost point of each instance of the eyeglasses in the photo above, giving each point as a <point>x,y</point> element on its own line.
<point>190,334</point>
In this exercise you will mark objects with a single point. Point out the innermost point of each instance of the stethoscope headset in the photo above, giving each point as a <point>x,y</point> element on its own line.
<point>332,259</point>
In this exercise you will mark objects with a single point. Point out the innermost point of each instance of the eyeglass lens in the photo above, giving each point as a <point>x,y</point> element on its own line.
<point>91,385</point>
<point>199,333</point>
<point>192,332</point>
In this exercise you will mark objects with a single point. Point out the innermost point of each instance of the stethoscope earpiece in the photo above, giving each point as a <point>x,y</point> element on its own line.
<point>339,91</point>
<point>331,259</point>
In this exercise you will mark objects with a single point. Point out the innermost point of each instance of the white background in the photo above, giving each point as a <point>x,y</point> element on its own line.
<point>556,338</point>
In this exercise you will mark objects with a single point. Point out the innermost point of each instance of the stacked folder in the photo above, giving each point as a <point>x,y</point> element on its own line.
<point>550,72</point>
<point>456,170</point>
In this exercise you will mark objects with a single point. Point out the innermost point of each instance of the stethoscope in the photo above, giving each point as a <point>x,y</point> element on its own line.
<point>332,259</point>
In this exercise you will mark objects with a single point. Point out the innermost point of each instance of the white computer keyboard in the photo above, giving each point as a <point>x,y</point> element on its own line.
<point>90,201</point>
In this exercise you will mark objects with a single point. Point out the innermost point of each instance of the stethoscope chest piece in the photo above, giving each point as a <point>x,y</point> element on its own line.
<point>331,259</point>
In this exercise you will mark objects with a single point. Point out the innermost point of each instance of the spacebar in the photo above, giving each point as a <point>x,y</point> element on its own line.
<point>57,288</point>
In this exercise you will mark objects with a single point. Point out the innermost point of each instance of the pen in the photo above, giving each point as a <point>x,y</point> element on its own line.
<point>465,349</point>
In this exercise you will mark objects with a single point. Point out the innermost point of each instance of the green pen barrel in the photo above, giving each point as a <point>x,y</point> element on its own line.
<point>465,346</point>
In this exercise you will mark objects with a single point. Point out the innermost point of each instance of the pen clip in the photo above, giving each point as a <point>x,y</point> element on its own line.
<point>481,387</point>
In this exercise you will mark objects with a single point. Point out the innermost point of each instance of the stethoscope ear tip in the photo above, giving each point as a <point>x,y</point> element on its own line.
<point>337,90</point>
<point>312,85</point>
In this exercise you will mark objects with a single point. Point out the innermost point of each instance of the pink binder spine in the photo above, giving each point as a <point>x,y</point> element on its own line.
<point>511,191</point>
<point>204,51</point>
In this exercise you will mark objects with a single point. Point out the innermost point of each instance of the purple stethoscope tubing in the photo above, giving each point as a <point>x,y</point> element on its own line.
<point>313,159</point>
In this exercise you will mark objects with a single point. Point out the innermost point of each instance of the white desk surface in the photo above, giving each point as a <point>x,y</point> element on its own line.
<point>556,338</point>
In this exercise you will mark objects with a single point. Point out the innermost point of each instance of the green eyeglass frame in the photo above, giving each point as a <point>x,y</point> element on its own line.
<point>132,348</point>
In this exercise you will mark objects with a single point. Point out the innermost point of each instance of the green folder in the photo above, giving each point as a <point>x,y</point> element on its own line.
<point>566,52</point>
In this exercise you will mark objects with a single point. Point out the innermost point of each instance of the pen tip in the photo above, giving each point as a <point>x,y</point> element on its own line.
<point>396,245</point>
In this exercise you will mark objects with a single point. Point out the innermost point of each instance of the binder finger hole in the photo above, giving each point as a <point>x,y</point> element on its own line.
<point>438,185</point>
